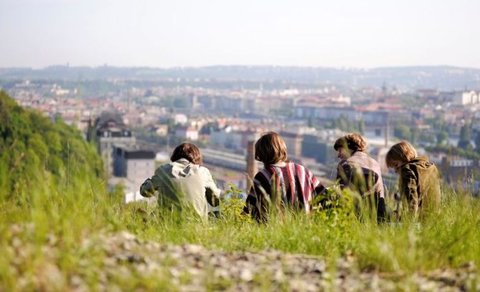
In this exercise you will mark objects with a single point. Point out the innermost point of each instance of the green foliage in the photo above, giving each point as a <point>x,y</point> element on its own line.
<point>477,142</point>
<point>402,132</point>
<point>442,137</point>
<point>451,150</point>
<point>345,124</point>
<point>465,140</point>
<point>37,154</point>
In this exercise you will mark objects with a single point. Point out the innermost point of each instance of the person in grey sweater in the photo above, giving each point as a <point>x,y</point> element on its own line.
<point>360,172</point>
<point>184,182</point>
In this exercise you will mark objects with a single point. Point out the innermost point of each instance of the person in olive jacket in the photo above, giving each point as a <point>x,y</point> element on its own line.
<point>419,182</point>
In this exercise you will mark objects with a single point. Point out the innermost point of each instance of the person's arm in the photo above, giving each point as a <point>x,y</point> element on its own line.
<point>258,199</point>
<point>212,192</point>
<point>344,174</point>
<point>317,187</point>
<point>410,188</point>
<point>210,183</point>
<point>150,185</point>
<point>146,189</point>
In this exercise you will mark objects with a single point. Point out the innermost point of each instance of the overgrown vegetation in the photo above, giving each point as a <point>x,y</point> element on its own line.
<point>52,195</point>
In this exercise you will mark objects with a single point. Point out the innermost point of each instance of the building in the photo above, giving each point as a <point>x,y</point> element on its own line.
<point>327,112</point>
<point>293,142</point>
<point>161,130</point>
<point>467,97</point>
<point>314,146</point>
<point>110,130</point>
<point>134,164</point>
<point>188,133</point>
<point>461,173</point>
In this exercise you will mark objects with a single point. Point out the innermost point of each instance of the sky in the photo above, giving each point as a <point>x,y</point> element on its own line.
<point>173,33</point>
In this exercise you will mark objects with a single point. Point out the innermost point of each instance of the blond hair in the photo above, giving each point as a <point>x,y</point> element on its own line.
<point>270,149</point>
<point>352,141</point>
<point>401,152</point>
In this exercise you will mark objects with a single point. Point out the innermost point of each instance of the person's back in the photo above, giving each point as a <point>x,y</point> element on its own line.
<point>361,173</point>
<point>280,183</point>
<point>419,184</point>
<point>182,182</point>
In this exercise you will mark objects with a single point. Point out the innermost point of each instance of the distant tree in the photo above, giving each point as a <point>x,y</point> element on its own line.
<point>343,123</point>
<point>415,134</point>
<point>402,132</point>
<point>310,121</point>
<point>426,137</point>
<point>442,137</point>
<point>437,123</point>
<point>465,137</point>
<point>361,126</point>
<point>477,142</point>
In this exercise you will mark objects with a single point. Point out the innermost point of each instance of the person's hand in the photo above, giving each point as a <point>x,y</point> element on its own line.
<point>147,189</point>
<point>211,198</point>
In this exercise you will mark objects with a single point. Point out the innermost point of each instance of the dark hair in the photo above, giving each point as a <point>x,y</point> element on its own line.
<point>188,151</point>
<point>270,149</point>
<point>352,141</point>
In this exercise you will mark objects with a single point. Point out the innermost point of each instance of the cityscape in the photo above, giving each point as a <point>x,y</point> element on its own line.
<point>138,115</point>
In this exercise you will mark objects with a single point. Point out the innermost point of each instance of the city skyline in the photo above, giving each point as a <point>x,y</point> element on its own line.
<point>204,33</point>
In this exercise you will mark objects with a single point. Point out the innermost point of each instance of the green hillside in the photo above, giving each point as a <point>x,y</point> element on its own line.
<point>38,155</point>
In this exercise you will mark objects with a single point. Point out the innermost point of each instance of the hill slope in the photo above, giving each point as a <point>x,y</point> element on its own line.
<point>37,154</point>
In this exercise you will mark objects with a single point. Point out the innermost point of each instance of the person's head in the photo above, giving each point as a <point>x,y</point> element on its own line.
<point>400,154</point>
<point>188,151</point>
<point>270,149</point>
<point>349,144</point>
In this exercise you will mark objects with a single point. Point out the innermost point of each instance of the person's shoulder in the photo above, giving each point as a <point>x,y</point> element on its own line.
<point>264,173</point>
<point>200,168</point>
<point>408,169</point>
<point>164,167</point>
<point>301,167</point>
<point>297,165</point>
<point>345,163</point>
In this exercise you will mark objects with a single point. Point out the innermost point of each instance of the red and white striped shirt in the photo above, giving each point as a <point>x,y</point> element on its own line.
<point>293,183</point>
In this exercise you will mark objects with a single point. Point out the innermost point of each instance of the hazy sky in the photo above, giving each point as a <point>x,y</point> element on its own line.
<point>157,33</point>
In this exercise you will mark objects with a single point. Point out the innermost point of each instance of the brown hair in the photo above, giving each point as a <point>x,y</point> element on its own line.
<point>352,141</point>
<point>270,149</point>
<point>188,151</point>
<point>401,152</point>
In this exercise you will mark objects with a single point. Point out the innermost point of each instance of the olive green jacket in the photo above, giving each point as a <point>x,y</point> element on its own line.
<point>419,185</point>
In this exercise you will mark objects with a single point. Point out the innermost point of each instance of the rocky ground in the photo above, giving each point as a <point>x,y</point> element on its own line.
<point>127,262</point>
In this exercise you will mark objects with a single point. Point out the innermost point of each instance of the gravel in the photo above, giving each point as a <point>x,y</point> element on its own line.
<point>130,263</point>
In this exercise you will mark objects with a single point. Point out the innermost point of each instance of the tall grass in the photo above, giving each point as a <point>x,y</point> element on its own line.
<point>61,220</point>
<point>448,238</point>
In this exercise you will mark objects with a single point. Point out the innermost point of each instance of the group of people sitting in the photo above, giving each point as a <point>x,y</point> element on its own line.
<point>281,183</point>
